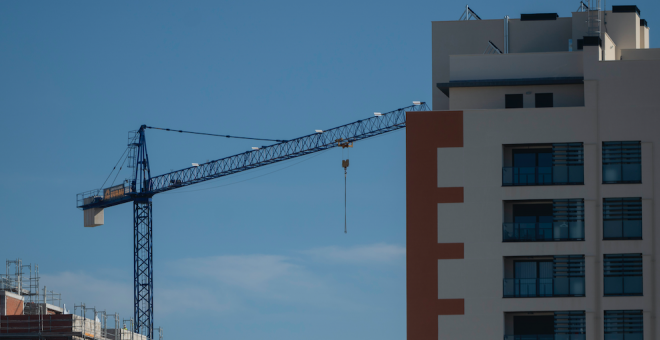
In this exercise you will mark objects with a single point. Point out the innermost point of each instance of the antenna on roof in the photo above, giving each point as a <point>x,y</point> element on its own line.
<point>469,14</point>
<point>583,7</point>
<point>492,49</point>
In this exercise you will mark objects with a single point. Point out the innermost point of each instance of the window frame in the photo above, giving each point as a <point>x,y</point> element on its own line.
<point>618,268</point>
<point>627,213</point>
<point>514,96</point>
<point>629,153</point>
<point>621,322</point>
<point>544,99</point>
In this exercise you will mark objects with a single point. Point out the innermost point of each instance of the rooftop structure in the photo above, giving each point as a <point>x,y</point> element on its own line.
<point>531,189</point>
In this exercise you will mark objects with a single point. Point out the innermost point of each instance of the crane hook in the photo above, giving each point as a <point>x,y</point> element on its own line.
<point>344,164</point>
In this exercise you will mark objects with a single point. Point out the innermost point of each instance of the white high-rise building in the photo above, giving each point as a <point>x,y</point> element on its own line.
<point>531,194</point>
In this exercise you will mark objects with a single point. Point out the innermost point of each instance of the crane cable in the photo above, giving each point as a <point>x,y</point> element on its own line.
<point>344,163</point>
<point>215,135</point>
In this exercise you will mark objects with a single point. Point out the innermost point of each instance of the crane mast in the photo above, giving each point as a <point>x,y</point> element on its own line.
<point>141,187</point>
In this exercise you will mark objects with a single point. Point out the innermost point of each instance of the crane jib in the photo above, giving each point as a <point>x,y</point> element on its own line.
<point>323,140</point>
<point>283,151</point>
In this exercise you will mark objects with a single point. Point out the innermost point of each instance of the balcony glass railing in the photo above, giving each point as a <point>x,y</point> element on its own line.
<point>546,337</point>
<point>562,286</point>
<point>543,232</point>
<point>543,175</point>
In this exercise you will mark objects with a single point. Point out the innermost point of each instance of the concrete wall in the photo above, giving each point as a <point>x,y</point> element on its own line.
<point>623,28</point>
<point>459,37</point>
<point>515,66</point>
<point>609,48</point>
<point>621,103</point>
<point>578,27</point>
<point>463,98</point>
<point>645,54</point>
<point>539,36</point>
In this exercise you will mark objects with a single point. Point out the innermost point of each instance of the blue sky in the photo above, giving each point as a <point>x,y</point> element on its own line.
<point>263,258</point>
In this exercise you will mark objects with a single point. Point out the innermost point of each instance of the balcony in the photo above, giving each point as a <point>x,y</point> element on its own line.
<point>545,325</point>
<point>543,232</point>
<point>546,337</point>
<point>543,175</point>
<point>552,287</point>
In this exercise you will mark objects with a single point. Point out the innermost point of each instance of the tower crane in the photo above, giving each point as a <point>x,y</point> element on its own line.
<point>141,187</point>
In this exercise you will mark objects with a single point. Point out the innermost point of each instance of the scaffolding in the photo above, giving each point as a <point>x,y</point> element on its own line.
<point>23,280</point>
<point>44,316</point>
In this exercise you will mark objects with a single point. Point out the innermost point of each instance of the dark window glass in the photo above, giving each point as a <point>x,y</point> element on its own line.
<point>556,164</point>
<point>523,159</point>
<point>561,220</point>
<point>622,162</point>
<point>513,101</point>
<point>532,157</point>
<point>533,325</point>
<point>622,218</point>
<point>544,100</point>
<point>623,274</point>
<point>624,325</point>
<point>561,276</point>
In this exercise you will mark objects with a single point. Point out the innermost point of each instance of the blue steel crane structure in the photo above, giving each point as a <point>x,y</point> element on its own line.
<point>142,187</point>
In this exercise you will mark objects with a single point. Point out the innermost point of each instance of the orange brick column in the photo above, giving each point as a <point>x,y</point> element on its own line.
<point>425,133</point>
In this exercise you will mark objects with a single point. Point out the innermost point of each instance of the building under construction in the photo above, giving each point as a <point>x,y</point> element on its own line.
<point>28,311</point>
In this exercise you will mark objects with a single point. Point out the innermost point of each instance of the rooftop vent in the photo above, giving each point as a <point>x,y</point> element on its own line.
<point>625,9</point>
<point>538,16</point>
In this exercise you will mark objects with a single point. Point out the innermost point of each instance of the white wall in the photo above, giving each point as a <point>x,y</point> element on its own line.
<point>621,102</point>
<point>515,66</point>
<point>474,98</point>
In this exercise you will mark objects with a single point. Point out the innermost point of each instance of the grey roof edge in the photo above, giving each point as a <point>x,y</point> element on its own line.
<point>444,87</point>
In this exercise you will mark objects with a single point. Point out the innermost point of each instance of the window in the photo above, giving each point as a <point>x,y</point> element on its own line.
<point>568,219</point>
<point>546,277</point>
<point>513,101</point>
<point>567,163</point>
<point>544,100</point>
<point>533,157</point>
<point>570,325</point>
<point>622,218</point>
<point>622,162</point>
<point>624,325</point>
<point>623,274</point>
<point>543,221</point>
<point>533,278</point>
<point>543,164</point>
<point>559,325</point>
<point>533,327</point>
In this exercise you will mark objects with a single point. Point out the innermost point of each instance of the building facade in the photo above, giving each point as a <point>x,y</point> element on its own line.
<point>531,185</point>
